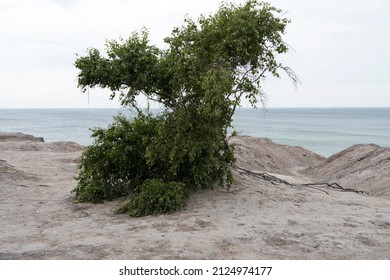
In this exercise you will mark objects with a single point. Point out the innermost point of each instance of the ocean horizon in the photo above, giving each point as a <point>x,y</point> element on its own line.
<point>325,131</point>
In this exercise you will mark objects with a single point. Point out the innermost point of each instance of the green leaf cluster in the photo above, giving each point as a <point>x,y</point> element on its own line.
<point>156,197</point>
<point>115,163</point>
<point>208,67</point>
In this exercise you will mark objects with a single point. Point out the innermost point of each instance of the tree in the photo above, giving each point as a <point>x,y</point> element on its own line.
<point>209,65</point>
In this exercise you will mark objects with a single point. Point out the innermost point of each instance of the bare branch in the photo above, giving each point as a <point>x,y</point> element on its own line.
<point>291,74</point>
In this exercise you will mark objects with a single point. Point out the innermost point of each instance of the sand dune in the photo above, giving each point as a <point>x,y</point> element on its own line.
<point>363,167</point>
<point>282,216</point>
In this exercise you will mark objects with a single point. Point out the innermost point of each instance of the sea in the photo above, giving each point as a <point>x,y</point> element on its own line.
<point>325,131</point>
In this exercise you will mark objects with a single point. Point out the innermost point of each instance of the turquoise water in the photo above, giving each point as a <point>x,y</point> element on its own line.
<point>324,131</point>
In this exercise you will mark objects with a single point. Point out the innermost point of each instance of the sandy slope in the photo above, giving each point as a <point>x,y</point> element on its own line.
<point>256,219</point>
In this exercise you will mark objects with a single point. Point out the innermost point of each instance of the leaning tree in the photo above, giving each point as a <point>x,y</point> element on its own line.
<point>208,67</point>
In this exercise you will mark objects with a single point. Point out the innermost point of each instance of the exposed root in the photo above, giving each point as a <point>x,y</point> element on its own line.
<point>335,186</point>
<point>275,180</point>
<point>265,176</point>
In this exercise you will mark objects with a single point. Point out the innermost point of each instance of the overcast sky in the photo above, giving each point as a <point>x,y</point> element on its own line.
<point>341,48</point>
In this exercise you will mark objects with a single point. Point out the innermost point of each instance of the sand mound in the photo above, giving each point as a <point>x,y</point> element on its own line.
<point>262,154</point>
<point>17,137</point>
<point>8,173</point>
<point>25,143</point>
<point>361,167</point>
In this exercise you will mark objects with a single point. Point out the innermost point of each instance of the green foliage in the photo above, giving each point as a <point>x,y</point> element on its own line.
<point>194,147</point>
<point>115,162</point>
<point>129,65</point>
<point>208,67</point>
<point>156,197</point>
<point>131,151</point>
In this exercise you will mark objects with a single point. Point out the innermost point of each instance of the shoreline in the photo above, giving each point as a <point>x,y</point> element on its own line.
<point>324,131</point>
<point>256,219</point>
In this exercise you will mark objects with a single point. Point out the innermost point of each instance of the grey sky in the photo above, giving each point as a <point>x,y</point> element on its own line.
<point>341,48</point>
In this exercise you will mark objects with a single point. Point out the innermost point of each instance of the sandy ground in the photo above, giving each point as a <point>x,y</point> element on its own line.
<point>257,219</point>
